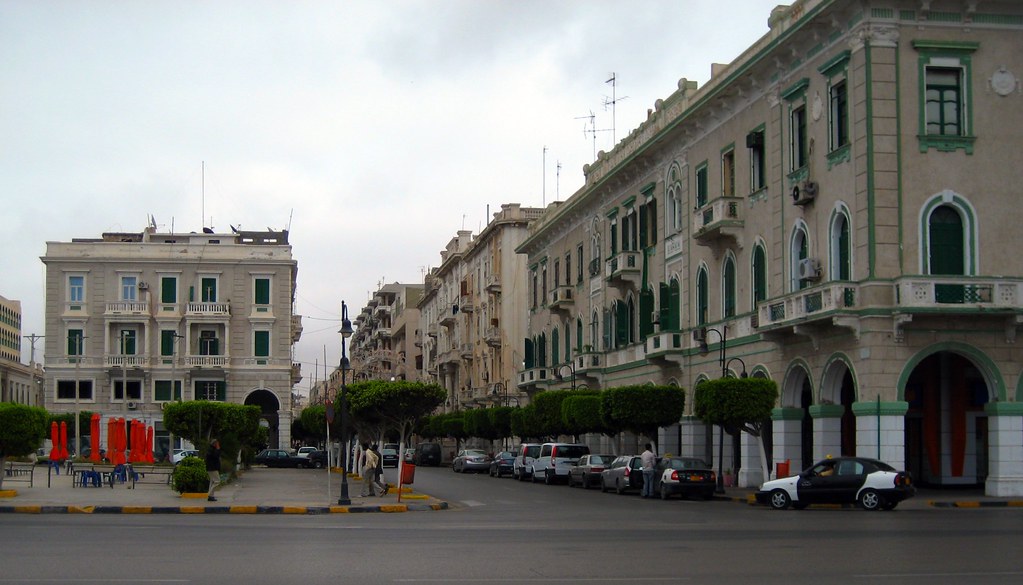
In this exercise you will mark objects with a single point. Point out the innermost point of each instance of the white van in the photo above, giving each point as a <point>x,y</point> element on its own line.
<point>524,456</point>
<point>555,460</point>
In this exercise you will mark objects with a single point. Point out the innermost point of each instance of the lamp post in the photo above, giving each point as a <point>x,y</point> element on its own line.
<point>346,332</point>
<point>704,349</point>
<point>559,368</point>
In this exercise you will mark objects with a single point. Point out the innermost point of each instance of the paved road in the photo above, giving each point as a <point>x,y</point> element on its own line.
<point>503,531</point>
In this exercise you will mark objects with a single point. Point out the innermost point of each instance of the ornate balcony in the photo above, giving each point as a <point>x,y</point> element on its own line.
<point>218,310</point>
<point>206,361</point>
<point>492,336</point>
<point>126,361</point>
<point>717,220</point>
<point>562,298</point>
<point>127,308</point>
<point>812,311</point>
<point>624,269</point>
<point>665,348</point>
<point>952,292</point>
<point>534,376</point>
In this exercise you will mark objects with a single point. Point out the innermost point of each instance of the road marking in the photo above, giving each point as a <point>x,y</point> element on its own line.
<point>672,579</point>
<point>931,575</point>
<point>473,503</point>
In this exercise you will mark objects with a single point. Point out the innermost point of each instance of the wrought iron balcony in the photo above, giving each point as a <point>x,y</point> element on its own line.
<point>624,268</point>
<point>721,218</point>
<point>954,292</point>
<point>562,298</point>
<point>816,304</point>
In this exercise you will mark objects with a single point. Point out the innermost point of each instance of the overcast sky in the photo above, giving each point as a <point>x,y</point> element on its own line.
<point>374,129</point>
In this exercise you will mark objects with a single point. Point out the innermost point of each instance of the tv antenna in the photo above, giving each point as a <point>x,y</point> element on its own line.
<point>611,102</point>
<point>591,130</point>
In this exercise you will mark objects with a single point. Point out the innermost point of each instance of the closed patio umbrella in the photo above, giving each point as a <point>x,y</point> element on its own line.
<point>63,441</point>
<point>94,437</point>
<point>55,440</point>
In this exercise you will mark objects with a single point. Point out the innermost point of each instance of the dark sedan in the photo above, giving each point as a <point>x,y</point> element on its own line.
<point>389,457</point>
<point>685,476</point>
<point>502,464</point>
<point>586,472</point>
<point>869,483</point>
<point>278,458</point>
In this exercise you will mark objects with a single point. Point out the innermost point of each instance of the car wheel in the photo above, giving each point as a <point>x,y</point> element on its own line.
<point>547,479</point>
<point>870,500</point>
<point>664,492</point>
<point>780,499</point>
<point>318,465</point>
<point>532,476</point>
<point>618,487</point>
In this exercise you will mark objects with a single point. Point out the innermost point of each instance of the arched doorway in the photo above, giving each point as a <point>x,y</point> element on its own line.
<point>839,388</point>
<point>269,405</point>
<point>946,426</point>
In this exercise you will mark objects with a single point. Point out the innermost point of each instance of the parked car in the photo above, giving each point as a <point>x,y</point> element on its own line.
<point>427,454</point>
<point>586,472</point>
<point>180,454</point>
<point>278,458</point>
<point>522,469</point>
<point>410,454</point>
<point>554,460</point>
<point>502,464</point>
<point>304,451</point>
<point>624,474</point>
<point>315,460</point>
<point>389,457</point>
<point>470,460</point>
<point>868,483</point>
<point>685,476</point>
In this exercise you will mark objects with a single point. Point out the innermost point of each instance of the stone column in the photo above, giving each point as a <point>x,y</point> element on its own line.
<point>788,439</point>
<point>881,431</point>
<point>1005,449</point>
<point>751,474</point>
<point>827,430</point>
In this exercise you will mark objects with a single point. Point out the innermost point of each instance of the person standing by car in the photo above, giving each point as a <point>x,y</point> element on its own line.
<point>213,468</point>
<point>647,458</point>
<point>369,472</point>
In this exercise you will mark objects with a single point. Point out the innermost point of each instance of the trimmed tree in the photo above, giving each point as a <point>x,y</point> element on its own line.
<point>22,431</point>
<point>642,409</point>
<point>738,404</point>
<point>200,421</point>
<point>526,424</point>
<point>581,414</point>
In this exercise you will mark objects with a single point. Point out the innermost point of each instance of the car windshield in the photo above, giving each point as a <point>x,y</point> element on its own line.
<point>572,451</point>
<point>389,452</point>
<point>601,459</point>
<point>684,464</point>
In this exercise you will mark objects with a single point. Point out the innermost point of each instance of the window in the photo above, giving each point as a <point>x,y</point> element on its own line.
<point>210,390</point>
<point>134,389</point>
<point>76,289</point>
<point>701,185</point>
<point>208,290</point>
<point>728,172</point>
<point>75,342</point>
<point>945,70</point>
<point>208,343</point>
<point>129,288</point>
<point>595,330</point>
<point>947,251</point>
<point>841,265</point>
<point>759,275</point>
<point>555,346</point>
<point>543,283</point>
<point>168,289</point>
<point>66,389</point>
<point>536,287</point>
<point>578,334</point>
<point>568,268</point>
<point>728,287</point>
<point>162,390</point>
<point>167,339</point>
<point>261,343</point>
<point>557,273</point>
<point>702,296</point>
<point>798,252</point>
<point>579,263</point>
<point>127,341</point>
<point>614,237</point>
<point>797,137</point>
<point>261,291</point>
<point>757,154</point>
<point>838,116</point>
<point>674,199</point>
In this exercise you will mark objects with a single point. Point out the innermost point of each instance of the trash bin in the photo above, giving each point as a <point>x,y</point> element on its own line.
<point>408,473</point>
<point>782,469</point>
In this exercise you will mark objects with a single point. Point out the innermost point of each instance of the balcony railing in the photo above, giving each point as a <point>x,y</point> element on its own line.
<point>533,375</point>
<point>719,218</point>
<point>206,361</point>
<point>819,302</point>
<point>127,361</point>
<point>588,361</point>
<point>127,308</point>
<point>562,297</point>
<point>663,344</point>
<point>208,309</point>
<point>492,336</point>
<point>965,291</point>
<point>624,265</point>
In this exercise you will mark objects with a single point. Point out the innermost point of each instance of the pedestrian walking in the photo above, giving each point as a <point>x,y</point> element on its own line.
<point>379,480</point>
<point>648,460</point>
<point>369,472</point>
<point>213,468</point>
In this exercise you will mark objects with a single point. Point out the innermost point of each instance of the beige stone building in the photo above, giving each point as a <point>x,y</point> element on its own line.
<point>832,210</point>
<point>384,345</point>
<point>134,320</point>
<point>19,383</point>
<point>473,313</point>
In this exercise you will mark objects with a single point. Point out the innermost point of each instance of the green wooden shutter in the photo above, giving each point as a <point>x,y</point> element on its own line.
<point>675,306</point>
<point>528,351</point>
<point>262,343</point>
<point>555,347</point>
<point>262,291</point>
<point>946,242</point>
<point>729,284</point>
<point>209,290</point>
<point>166,342</point>
<point>168,289</point>
<point>702,297</point>
<point>843,251</point>
<point>646,311</point>
<point>621,324</point>
<point>759,275</point>
<point>664,312</point>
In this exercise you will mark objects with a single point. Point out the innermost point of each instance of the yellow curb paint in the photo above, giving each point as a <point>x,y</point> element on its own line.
<point>968,505</point>
<point>243,509</point>
<point>194,495</point>
<point>28,509</point>
<point>340,509</point>
<point>80,509</point>
<point>414,497</point>
<point>192,510</point>
<point>8,493</point>
<point>394,508</point>
<point>136,509</point>
<point>1016,504</point>
<point>294,510</point>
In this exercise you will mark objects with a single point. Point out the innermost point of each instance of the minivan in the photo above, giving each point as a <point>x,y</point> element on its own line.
<point>427,454</point>
<point>555,459</point>
<point>524,456</point>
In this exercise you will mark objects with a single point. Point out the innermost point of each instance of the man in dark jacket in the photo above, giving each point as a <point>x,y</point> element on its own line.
<point>213,468</point>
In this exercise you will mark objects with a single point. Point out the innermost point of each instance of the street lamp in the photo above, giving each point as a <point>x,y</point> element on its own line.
<point>559,368</point>
<point>723,363</point>
<point>344,366</point>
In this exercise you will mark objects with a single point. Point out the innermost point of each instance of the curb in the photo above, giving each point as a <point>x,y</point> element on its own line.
<point>294,510</point>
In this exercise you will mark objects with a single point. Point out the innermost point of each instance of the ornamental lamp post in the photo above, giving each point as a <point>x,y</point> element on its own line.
<point>558,369</point>
<point>344,366</point>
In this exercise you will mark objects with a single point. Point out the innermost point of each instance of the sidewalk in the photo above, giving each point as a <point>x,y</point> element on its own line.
<point>257,491</point>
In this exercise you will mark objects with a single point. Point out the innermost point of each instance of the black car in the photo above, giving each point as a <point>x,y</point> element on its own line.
<point>316,460</point>
<point>502,464</point>
<point>868,483</point>
<point>427,454</point>
<point>278,458</point>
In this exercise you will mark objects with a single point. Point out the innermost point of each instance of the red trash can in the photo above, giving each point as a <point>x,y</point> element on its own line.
<point>782,469</point>
<point>408,473</point>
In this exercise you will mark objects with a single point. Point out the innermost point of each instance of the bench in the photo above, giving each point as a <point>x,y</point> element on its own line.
<point>20,471</point>
<point>86,474</point>
<point>144,473</point>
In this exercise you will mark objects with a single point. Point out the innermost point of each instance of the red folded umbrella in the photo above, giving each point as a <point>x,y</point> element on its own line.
<point>94,437</point>
<point>55,440</point>
<point>149,444</point>
<point>63,441</point>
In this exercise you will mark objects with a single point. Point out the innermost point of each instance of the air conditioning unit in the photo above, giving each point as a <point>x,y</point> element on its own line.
<point>700,335</point>
<point>133,405</point>
<point>143,286</point>
<point>805,192</point>
<point>809,269</point>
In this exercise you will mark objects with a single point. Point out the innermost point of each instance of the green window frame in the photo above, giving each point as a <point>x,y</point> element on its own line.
<point>167,338</point>
<point>701,185</point>
<point>261,343</point>
<point>757,159</point>
<point>168,289</point>
<point>75,342</point>
<point>261,291</point>
<point>555,346</point>
<point>162,390</point>
<point>76,288</point>
<point>214,390</point>
<point>702,295</point>
<point>728,171</point>
<point>127,341</point>
<point>728,284</point>
<point>759,275</point>
<point>945,71</point>
<point>208,290</point>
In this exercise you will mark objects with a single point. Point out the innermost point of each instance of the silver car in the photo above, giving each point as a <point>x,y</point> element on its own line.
<point>471,460</point>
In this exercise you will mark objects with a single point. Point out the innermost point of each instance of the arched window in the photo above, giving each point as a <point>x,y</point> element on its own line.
<point>759,275</point>
<point>541,351</point>
<point>728,286</point>
<point>555,347</point>
<point>595,331</point>
<point>578,334</point>
<point>674,200</point>
<point>841,247</point>
<point>946,253</point>
<point>799,251</point>
<point>702,295</point>
<point>632,320</point>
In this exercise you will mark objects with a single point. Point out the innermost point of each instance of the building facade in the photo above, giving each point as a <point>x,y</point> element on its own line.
<point>384,343</point>
<point>829,211</point>
<point>19,383</point>
<point>135,320</point>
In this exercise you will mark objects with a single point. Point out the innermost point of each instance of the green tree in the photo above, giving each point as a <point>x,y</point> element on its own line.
<point>396,405</point>
<point>500,421</point>
<point>526,424</point>
<point>738,404</point>
<point>641,409</point>
<point>22,431</point>
<point>200,421</point>
<point>581,414</point>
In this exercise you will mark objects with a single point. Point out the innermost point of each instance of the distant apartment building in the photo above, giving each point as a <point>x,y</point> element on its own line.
<point>382,347</point>
<point>472,313</point>
<point>832,210</point>
<point>19,383</point>
<point>135,320</point>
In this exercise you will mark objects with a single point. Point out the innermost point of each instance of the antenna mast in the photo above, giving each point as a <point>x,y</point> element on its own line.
<point>543,175</point>
<point>202,187</point>
<point>611,102</point>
